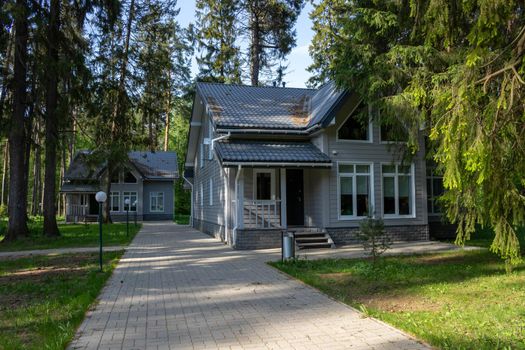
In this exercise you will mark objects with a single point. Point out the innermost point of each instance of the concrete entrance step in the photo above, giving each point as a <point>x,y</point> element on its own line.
<point>313,238</point>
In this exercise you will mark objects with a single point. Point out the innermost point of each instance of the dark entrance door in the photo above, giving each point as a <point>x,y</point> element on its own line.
<point>93,205</point>
<point>294,197</point>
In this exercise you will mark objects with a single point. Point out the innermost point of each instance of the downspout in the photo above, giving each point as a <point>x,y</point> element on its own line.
<point>239,168</point>
<point>191,201</point>
<point>226,189</point>
<point>219,138</point>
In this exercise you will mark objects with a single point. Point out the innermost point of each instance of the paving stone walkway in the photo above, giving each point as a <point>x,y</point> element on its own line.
<point>176,288</point>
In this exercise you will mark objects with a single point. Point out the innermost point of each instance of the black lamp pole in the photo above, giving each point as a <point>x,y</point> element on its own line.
<point>100,233</point>
<point>127,221</point>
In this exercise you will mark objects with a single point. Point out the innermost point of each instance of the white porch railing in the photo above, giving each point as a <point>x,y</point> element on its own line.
<point>262,213</point>
<point>77,210</point>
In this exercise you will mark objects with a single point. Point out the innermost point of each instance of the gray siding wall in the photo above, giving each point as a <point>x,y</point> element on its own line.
<point>207,214</point>
<point>377,153</point>
<point>158,186</point>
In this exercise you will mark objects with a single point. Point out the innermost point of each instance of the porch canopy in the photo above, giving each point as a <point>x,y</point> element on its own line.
<point>248,153</point>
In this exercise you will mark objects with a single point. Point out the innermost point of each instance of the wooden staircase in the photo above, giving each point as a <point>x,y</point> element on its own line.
<point>312,238</point>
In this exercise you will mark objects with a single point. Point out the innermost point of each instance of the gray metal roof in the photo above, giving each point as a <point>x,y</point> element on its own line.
<point>151,165</point>
<point>243,106</point>
<point>155,165</point>
<point>243,151</point>
<point>74,187</point>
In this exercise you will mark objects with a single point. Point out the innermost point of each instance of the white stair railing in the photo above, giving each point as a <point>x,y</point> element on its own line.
<point>262,213</point>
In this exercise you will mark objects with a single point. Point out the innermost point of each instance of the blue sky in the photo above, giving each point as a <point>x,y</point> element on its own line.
<point>298,60</point>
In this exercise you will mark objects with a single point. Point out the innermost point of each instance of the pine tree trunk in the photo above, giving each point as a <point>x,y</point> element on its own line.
<point>35,206</point>
<point>5,177</point>
<point>255,50</point>
<point>50,210</point>
<point>168,116</point>
<point>17,202</point>
<point>5,74</point>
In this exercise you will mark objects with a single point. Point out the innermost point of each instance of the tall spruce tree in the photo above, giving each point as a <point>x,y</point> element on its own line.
<point>265,26</point>
<point>454,69</point>
<point>217,35</point>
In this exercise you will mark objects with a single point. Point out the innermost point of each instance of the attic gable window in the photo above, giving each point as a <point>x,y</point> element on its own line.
<point>355,127</point>
<point>129,178</point>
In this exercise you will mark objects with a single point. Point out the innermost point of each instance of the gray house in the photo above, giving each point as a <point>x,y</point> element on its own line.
<point>147,181</point>
<point>264,159</point>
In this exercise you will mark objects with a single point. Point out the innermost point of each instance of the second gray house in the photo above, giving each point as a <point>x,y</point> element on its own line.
<point>147,181</point>
<point>264,159</point>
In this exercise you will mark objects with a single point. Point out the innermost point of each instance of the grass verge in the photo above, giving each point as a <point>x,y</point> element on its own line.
<point>455,300</point>
<point>182,219</point>
<point>43,299</point>
<point>72,235</point>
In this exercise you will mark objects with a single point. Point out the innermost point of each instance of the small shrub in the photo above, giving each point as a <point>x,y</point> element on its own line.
<point>3,211</point>
<point>375,241</point>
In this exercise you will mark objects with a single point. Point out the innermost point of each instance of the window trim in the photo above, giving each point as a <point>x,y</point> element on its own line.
<point>272,183</point>
<point>396,192</point>
<point>370,127</point>
<point>150,202</point>
<point>210,136</point>
<point>354,181</point>
<point>111,202</point>
<point>130,202</point>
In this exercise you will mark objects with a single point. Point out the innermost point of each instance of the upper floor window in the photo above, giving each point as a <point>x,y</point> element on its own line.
<point>129,178</point>
<point>398,190</point>
<point>354,190</point>
<point>357,126</point>
<point>434,190</point>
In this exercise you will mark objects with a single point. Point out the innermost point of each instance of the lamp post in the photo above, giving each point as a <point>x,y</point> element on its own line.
<point>126,202</point>
<point>135,205</point>
<point>101,198</point>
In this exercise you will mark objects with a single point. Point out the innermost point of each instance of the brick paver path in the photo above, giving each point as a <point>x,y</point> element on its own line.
<point>176,288</point>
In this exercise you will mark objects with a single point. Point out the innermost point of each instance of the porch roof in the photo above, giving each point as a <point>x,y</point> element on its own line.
<point>270,153</point>
<point>81,188</point>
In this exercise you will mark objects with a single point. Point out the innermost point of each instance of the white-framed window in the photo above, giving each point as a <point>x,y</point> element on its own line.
<point>132,196</point>
<point>201,196</point>
<point>156,202</point>
<point>398,190</point>
<point>114,200</point>
<point>354,128</point>
<point>264,184</point>
<point>435,189</point>
<point>355,190</point>
<point>211,192</point>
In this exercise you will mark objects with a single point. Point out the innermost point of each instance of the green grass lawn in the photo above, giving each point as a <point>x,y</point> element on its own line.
<point>454,300</point>
<point>182,219</point>
<point>44,299</point>
<point>72,235</point>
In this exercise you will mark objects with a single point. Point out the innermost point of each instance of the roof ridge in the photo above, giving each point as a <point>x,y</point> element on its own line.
<point>251,86</point>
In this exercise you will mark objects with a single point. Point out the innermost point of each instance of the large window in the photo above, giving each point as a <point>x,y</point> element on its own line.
<point>129,178</point>
<point>264,184</point>
<point>354,190</point>
<point>132,196</point>
<point>434,190</point>
<point>114,200</point>
<point>398,191</point>
<point>156,202</point>
<point>357,126</point>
